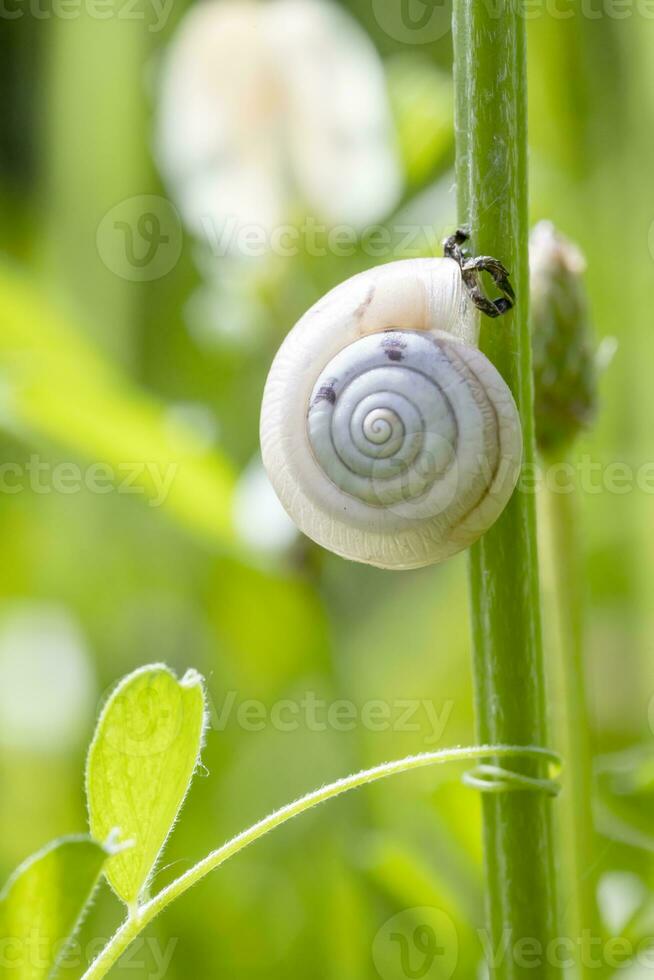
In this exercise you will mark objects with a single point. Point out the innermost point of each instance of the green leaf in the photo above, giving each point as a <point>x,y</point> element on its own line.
<point>43,903</point>
<point>625,796</point>
<point>56,386</point>
<point>140,765</point>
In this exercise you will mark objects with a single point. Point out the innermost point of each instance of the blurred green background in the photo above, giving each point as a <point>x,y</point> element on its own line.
<point>103,368</point>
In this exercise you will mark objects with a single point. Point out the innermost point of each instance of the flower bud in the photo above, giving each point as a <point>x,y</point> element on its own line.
<point>565,376</point>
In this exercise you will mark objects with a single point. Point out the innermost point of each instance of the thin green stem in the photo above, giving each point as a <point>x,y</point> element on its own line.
<point>491,136</point>
<point>140,918</point>
<point>577,803</point>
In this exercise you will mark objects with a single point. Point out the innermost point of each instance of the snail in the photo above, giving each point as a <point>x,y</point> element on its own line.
<point>388,436</point>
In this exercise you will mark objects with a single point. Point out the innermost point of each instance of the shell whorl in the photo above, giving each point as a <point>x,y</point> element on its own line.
<point>389,438</point>
<point>380,422</point>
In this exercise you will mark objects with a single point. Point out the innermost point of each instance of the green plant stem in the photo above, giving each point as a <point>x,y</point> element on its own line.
<point>491,143</point>
<point>577,811</point>
<point>139,918</point>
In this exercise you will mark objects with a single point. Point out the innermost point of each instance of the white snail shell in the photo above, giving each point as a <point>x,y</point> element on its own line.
<point>388,436</point>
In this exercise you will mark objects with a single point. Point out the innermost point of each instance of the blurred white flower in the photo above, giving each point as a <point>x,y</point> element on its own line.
<point>263,105</point>
<point>47,686</point>
<point>620,894</point>
<point>260,520</point>
<point>192,424</point>
<point>226,308</point>
<point>340,133</point>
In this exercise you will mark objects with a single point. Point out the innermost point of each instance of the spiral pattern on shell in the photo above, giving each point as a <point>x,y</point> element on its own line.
<point>400,448</point>
<point>380,425</point>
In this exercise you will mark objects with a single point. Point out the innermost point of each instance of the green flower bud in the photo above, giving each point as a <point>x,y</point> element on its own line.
<point>565,376</point>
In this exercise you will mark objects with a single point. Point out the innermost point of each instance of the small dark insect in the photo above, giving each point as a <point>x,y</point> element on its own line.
<point>470,269</point>
<point>326,394</point>
<point>393,347</point>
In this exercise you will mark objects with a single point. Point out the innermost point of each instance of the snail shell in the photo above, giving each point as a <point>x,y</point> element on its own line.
<point>388,436</point>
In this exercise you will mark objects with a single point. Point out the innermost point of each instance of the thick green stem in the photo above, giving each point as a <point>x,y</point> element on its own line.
<point>491,134</point>
<point>578,784</point>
